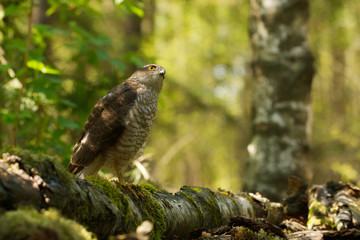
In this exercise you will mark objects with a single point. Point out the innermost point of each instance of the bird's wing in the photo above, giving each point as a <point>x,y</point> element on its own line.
<point>105,124</point>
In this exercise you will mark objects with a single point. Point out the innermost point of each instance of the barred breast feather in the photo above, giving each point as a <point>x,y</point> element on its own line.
<point>131,144</point>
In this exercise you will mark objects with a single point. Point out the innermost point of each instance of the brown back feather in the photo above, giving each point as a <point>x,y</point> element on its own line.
<point>104,126</point>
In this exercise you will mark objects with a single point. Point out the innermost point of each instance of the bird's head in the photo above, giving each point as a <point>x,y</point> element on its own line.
<point>150,75</point>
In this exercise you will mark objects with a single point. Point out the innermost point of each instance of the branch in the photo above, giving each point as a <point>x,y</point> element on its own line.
<point>108,208</point>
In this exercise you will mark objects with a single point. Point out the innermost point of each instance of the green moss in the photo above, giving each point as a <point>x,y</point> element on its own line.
<point>250,199</point>
<point>317,209</point>
<point>83,212</point>
<point>195,189</point>
<point>207,200</point>
<point>111,190</point>
<point>320,215</point>
<point>213,207</point>
<point>148,186</point>
<point>245,233</point>
<point>227,194</point>
<point>41,164</point>
<point>151,209</point>
<point>192,201</point>
<point>29,223</point>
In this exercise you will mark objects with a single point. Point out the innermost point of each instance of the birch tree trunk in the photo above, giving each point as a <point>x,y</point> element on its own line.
<point>282,72</point>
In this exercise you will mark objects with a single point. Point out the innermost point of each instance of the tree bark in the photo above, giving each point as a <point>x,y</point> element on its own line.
<point>325,235</point>
<point>282,71</point>
<point>334,205</point>
<point>108,208</point>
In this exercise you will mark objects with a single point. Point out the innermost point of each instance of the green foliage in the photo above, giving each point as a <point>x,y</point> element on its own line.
<point>41,67</point>
<point>78,50</point>
<point>333,33</point>
<point>205,102</point>
<point>132,6</point>
<point>346,171</point>
<point>54,68</point>
<point>28,223</point>
<point>54,64</point>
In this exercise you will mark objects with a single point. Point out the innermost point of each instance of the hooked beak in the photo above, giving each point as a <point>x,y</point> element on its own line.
<point>162,72</point>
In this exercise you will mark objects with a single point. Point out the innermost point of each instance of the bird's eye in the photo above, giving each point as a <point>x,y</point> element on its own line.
<point>151,67</point>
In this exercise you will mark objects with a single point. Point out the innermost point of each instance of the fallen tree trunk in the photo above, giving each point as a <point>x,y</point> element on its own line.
<point>108,208</point>
<point>329,211</point>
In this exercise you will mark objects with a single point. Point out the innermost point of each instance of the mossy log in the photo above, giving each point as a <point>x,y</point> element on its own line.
<point>334,205</point>
<point>108,208</point>
<point>325,235</point>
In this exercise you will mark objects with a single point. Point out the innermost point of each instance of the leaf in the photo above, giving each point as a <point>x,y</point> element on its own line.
<point>21,72</point>
<point>16,44</point>
<point>54,79</point>
<point>25,115</point>
<point>7,117</point>
<point>117,64</point>
<point>39,66</point>
<point>4,67</point>
<point>12,9</point>
<point>100,40</point>
<point>68,103</point>
<point>132,57</point>
<point>48,30</point>
<point>67,123</point>
<point>92,57</point>
<point>52,9</point>
<point>76,28</point>
<point>135,10</point>
<point>102,55</point>
<point>87,36</point>
<point>132,7</point>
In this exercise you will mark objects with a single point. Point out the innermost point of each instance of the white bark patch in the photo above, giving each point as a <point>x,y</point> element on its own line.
<point>251,149</point>
<point>277,119</point>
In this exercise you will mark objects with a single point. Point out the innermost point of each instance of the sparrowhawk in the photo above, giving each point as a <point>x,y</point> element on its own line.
<point>118,125</point>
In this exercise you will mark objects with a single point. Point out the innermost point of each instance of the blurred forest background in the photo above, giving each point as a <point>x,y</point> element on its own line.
<point>57,58</point>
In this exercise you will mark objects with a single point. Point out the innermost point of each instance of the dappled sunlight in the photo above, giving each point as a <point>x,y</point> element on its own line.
<point>56,65</point>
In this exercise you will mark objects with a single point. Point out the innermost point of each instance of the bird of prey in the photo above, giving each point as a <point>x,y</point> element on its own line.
<point>118,125</point>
